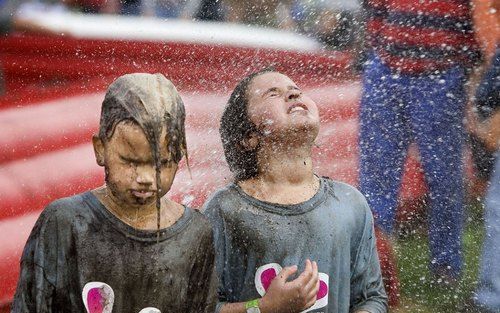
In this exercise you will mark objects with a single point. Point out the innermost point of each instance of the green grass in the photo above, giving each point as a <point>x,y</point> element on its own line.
<point>418,291</point>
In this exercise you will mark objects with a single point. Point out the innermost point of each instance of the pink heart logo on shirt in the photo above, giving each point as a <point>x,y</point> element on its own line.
<point>266,273</point>
<point>267,277</point>
<point>99,298</point>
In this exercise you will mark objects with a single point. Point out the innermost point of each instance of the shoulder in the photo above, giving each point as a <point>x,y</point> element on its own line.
<point>352,204</point>
<point>71,202</point>
<point>355,212</point>
<point>222,200</point>
<point>200,229</point>
<point>56,219</point>
<point>65,208</point>
<point>62,214</point>
<point>200,221</point>
<point>347,194</point>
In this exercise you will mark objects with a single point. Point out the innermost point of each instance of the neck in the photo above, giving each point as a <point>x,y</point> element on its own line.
<point>140,217</point>
<point>293,166</point>
<point>286,176</point>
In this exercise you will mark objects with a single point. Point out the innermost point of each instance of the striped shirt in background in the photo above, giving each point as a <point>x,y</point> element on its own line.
<point>422,36</point>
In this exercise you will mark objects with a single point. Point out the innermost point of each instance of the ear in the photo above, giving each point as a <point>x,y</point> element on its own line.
<point>98,150</point>
<point>250,143</point>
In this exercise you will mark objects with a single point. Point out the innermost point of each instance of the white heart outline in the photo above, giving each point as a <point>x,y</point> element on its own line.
<point>150,310</point>
<point>258,281</point>
<point>108,307</point>
<point>321,303</point>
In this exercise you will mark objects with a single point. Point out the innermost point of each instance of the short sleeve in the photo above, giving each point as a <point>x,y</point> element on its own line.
<point>212,212</point>
<point>367,288</point>
<point>37,280</point>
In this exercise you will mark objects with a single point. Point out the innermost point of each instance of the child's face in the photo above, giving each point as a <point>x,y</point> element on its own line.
<point>129,162</point>
<point>276,105</point>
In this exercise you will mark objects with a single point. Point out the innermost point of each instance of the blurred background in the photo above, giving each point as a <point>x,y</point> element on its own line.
<point>58,57</point>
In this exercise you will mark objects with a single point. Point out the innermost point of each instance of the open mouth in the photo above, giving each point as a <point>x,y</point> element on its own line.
<point>297,107</point>
<point>143,194</point>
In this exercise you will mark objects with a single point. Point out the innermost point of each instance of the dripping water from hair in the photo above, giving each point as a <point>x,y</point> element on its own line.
<point>154,140</point>
<point>156,152</point>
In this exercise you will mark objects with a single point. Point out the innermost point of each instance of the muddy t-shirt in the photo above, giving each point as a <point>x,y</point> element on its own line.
<point>77,241</point>
<point>254,240</point>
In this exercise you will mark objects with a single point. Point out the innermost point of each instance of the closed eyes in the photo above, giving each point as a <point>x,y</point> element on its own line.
<point>276,92</point>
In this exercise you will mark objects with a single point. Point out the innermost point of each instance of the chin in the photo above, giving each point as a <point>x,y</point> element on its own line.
<point>138,202</point>
<point>306,127</point>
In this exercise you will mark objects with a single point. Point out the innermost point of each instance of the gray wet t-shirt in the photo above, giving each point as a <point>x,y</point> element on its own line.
<point>255,240</point>
<point>77,240</point>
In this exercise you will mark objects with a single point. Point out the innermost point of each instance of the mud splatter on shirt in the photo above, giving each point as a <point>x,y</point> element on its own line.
<point>255,239</point>
<point>76,240</point>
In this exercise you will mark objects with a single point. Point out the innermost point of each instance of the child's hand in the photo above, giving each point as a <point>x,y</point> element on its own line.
<point>294,296</point>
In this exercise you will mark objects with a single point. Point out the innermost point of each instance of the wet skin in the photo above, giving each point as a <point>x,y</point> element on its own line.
<point>288,123</point>
<point>280,109</point>
<point>131,190</point>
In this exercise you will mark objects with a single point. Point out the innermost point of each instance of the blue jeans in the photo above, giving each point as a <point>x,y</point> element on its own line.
<point>488,291</point>
<point>397,109</point>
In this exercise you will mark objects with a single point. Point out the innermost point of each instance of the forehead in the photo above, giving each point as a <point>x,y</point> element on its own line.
<point>129,131</point>
<point>268,80</point>
<point>130,137</point>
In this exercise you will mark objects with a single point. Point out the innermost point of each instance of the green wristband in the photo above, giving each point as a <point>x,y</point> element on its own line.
<point>252,304</point>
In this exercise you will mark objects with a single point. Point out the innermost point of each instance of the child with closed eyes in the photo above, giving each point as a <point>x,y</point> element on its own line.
<point>124,247</point>
<point>286,239</point>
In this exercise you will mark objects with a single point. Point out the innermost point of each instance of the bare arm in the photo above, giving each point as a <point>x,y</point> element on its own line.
<point>489,131</point>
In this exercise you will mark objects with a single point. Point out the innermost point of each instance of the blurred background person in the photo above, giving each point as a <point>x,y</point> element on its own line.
<point>271,13</point>
<point>488,130</point>
<point>204,10</point>
<point>23,21</point>
<point>7,9</point>
<point>420,55</point>
<point>336,23</point>
<point>487,31</point>
<point>13,17</point>
<point>165,8</point>
<point>485,125</point>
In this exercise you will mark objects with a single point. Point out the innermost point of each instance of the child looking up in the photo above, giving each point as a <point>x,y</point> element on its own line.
<point>124,246</point>
<point>279,215</point>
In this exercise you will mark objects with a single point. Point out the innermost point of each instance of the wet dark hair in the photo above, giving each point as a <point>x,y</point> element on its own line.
<point>236,126</point>
<point>129,99</point>
<point>112,113</point>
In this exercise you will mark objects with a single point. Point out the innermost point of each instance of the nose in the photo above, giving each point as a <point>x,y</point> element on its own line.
<point>145,175</point>
<point>293,94</point>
